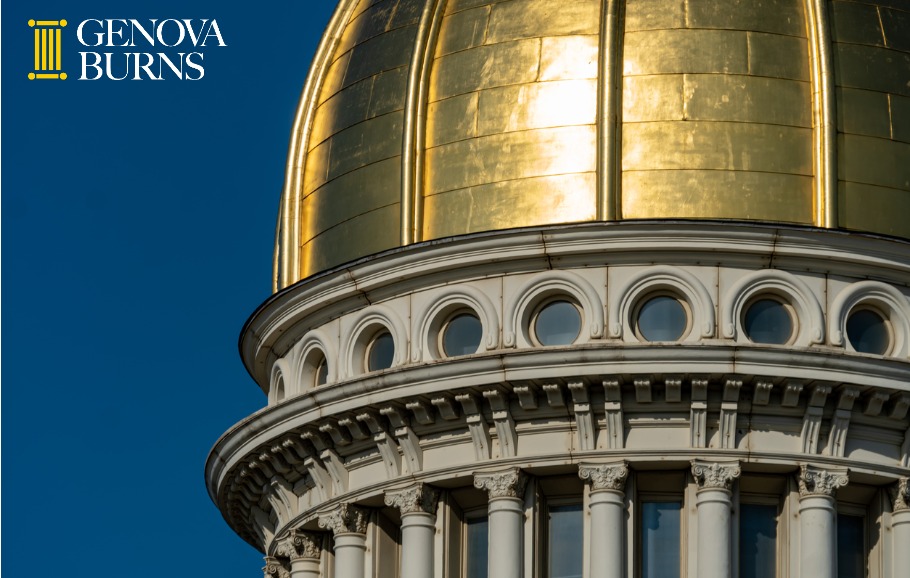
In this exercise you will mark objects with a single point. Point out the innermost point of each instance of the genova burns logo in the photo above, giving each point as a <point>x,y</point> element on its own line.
<point>128,49</point>
<point>47,50</point>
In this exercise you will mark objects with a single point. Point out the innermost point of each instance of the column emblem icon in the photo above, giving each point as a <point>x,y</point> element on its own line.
<point>47,50</point>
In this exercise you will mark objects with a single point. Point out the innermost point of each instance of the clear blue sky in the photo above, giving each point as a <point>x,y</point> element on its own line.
<point>137,228</point>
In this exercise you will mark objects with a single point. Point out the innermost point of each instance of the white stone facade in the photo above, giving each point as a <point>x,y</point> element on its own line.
<point>377,473</point>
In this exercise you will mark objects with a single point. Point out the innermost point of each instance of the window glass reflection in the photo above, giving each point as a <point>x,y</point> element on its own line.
<point>768,321</point>
<point>757,541</point>
<point>851,547</point>
<point>565,537</point>
<point>868,332</point>
<point>557,323</point>
<point>381,352</point>
<point>662,319</point>
<point>462,335</point>
<point>476,546</point>
<point>660,539</point>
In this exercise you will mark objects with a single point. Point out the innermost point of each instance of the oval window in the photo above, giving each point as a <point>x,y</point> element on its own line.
<point>662,318</point>
<point>381,352</point>
<point>557,323</point>
<point>768,321</point>
<point>868,332</point>
<point>462,335</point>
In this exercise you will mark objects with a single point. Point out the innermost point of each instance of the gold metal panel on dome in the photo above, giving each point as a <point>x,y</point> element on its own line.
<point>718,146</point>
<point>861,208</point>
<point>512,109</point>
<point>372,187</point>
<point>485,67</point>
<point>452,119</point>
<point>352,172</point>
<point>708,130</point>
<point>532,153</point>
<point>539,200</point>
<point>875,161</point>
<point>346,241</point>
<point>469,115</point>
<point>900,118</point>
<point>539,105</point>
<point>542,18</point>
<point>568,57</point>
<point>872,62</point>
<point>716,97</point>
<point>722,194</point>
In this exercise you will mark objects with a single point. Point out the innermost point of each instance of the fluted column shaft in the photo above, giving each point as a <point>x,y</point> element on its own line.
<point>900,526</point>
<point>349,525</point>
<point>417,504</point>
<point>714,504</point>
<point>817,521</point>
<point>506,512</point>
<point>607,505</point>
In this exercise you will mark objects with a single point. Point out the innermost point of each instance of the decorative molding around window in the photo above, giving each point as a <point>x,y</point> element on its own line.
<point>808,318</point>
<point>364,328</point>
<point>886,301</point>
<point>552,286</point>
<point>635,290</point>
<point>448,303</point>
<point>316,360</point>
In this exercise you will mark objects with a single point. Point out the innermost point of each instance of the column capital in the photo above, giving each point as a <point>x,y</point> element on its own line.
<point>714,475</point>
<point>345,519</point>
<point>508,483</point>
<point>300,544</point>
<point>274,568</point>
<point>814,481</point>
<point>900,495</point>
<point>610,476</point>
<point>419,498</point>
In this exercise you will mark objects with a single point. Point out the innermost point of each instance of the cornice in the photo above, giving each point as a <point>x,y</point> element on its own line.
<point>592,361</point>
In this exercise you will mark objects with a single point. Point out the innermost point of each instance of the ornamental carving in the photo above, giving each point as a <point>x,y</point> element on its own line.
<point>604,476</point>
<point>274,568</point>
<point>300,544</point>
<point>819,482</point>
<point>345,519</point>
<point>503,484</point>
<point>715,475</point>
<point>416,499</point>
<point>900,495</point>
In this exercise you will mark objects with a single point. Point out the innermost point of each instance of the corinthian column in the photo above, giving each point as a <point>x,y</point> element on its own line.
<point>900,526</point>
<point>714,503</point>
<point>274,568</point>
<point>303,549</point>
<point>607,505</point>
<point>506,491</point>
<point>817,519</point>
<point>417,504</point>
<point>349,525</point>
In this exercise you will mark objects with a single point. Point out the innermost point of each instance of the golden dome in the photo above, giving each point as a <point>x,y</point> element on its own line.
<point>422,119</point>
